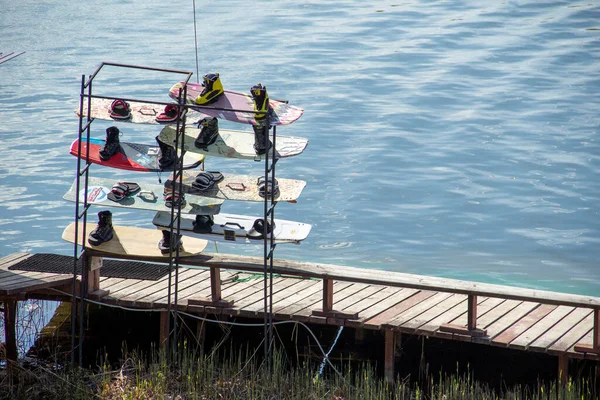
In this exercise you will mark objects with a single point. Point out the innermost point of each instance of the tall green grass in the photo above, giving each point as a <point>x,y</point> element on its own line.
<point>240,374</point>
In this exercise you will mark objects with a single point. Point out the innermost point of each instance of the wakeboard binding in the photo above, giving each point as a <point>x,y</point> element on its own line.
<point>104,230</point>
<point>262,143</point>
<point>166,156</point>
<point>170,114</point>
<point>213,88</point>
<point>170,242</point>
<point>111,145</point>
<point>209,131</point>
<point>261,101</point>
<point>120,109</point>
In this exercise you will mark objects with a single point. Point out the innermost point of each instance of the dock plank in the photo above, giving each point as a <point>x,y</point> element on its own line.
<point>135,294</point>
<point>510,318</point>
<point>559,329</point>
<point>574,335</point>
<point>385,316</point>
<point>484,304</point>
<point>496,313</point>
<point>523,341</point>
<point>190,278</point>
<point>380,302</point>
<point>280,296</point>
<point>523,324</point>
<point>280,308</point>
<point>416,310</point>
<point>310,301</point>
<point>420,322</point>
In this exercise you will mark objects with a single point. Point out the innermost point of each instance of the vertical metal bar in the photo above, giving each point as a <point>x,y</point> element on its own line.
<point>267,282</point>
<point>472,312</point>
<point>76,246</point>
<point>272,234</point>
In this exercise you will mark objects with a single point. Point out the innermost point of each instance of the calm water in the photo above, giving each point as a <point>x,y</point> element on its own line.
<point>447,138</point>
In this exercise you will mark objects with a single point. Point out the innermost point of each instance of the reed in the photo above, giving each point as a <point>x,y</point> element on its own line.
<point>236,373</point>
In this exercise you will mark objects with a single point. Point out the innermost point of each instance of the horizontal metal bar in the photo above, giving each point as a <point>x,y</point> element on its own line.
<point>85,169</point>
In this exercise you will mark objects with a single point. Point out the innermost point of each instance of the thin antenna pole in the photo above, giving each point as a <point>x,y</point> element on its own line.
<point>196,43</point>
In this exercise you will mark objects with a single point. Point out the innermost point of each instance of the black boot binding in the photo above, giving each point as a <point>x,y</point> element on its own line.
<point>208,133</point>
<point>259,139</point>
<point>112,145</point>
<point>169,242</point>
<point>166,156</point>
<point>104,230</point>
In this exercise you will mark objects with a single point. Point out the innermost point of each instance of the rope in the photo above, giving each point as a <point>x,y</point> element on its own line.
<point>326,358</point>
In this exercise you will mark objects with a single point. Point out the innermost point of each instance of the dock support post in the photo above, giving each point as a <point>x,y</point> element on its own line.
<point>389,357</point>
<point>164,333</point>
<point>595,347</point>
<point>563,369</point>
<point>471,328</point>
<point>10,336</point>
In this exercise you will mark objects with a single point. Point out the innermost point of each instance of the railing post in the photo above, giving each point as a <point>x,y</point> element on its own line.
<point>327,295</point>
<point>471,328</point>
<point>215,284</point>
<point>472,312</point>
<point>215,299</point>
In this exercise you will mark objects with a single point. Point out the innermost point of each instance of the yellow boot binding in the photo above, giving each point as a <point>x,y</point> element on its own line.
<point>261,101</point>
<point>213,88</point>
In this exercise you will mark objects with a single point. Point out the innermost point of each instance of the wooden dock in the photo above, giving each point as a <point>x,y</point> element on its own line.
<point>562,325</point>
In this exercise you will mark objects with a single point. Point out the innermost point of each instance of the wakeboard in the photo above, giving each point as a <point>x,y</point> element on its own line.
<point>132,156</point>
<point>232,228</point>
<point>141,113</point>
<point>238,187</point>
<point>242,103</point>
<point>132,241</point>
<point>147,197</point>
<point>234,144</point>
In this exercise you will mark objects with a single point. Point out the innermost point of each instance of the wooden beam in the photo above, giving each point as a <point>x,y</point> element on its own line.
<point>471,328</point>
<point>215,283</point>
<point>472,312</point>
<point>563,369</point>
<point>389,355</point>
<point>327,295</point>
<point>93,265</point>
<point>376,277</point>
<point>595,347</point>
<point>328,310</point>
<point>215,299</point>
<point>10,336</point>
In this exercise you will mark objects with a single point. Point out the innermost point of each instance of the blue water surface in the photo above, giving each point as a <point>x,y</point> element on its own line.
<point>448,138</point>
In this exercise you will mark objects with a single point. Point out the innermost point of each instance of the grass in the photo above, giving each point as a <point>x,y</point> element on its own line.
<point>241,375</point>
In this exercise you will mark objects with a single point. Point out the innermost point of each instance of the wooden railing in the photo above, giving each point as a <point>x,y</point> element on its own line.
<point>329,273</point>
